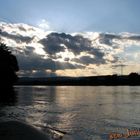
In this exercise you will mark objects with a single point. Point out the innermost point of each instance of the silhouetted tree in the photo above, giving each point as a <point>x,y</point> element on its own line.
<point>134,78</point>
<point>8,67</point>
<point>133,74</point>
<point>8,97</point>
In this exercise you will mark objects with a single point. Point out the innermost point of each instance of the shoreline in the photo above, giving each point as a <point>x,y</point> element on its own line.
<point>108,80</point>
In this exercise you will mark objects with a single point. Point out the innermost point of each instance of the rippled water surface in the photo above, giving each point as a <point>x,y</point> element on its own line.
<point>92,112</point>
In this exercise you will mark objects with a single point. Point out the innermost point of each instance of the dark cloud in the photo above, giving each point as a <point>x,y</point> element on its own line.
<point>53,43</point>
<point>29,50</point>
<point>17,38</point>
<point>97,53</point>
<point>96,57</point>
<point>134,37</point>
<point>35,62</point>
<point>86,60</point>
<point>66,59</point>
<point>76,44</point>
<point>108,38</point>
<point>84,49</point>
<point>23,27</point>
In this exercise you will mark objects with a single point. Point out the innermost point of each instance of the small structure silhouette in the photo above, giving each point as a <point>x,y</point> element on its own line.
<point>8,67</point>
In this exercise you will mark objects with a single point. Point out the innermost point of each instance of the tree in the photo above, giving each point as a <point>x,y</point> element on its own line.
<point>8,67</point>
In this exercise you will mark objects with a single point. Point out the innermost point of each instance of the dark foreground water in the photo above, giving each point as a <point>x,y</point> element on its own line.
<point>92,112</point>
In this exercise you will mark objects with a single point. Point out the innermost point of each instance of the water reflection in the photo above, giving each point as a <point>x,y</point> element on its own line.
<point>25,95</point>
<point>92,112</point>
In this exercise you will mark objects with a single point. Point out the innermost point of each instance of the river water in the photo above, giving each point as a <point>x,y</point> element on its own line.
<point>91,112</point>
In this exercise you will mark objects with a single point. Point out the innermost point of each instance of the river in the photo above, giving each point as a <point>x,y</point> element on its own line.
<point>91,112</point>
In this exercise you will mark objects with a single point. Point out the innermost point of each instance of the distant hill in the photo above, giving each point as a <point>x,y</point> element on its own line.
<point>131,79</point>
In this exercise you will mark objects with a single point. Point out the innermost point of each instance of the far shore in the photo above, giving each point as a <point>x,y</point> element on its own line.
<point>107,80</point>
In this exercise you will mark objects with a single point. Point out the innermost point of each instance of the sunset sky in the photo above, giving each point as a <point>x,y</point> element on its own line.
<point>72,38</point>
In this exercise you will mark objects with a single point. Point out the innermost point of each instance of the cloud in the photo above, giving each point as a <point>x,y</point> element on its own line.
<point>44,24</point>
<point>17,38</point>
<point>52,44</point>
<point>78,45</point>
<point>30,61</point>
<point>86,60</point>
<point>119,39</point>
<point>107,39</point>
<point>38,51</point>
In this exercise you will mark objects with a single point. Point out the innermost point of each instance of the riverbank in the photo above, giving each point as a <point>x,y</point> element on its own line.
<point>107,80</point>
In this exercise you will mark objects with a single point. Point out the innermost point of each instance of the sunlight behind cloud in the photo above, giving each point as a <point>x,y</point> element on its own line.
<point>66,55</point>
<point>38,49</point>
<point>44,24</point>
<point>79,54</point>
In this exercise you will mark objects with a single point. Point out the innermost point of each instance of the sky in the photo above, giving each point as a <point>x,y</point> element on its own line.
<point>72,38</point>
